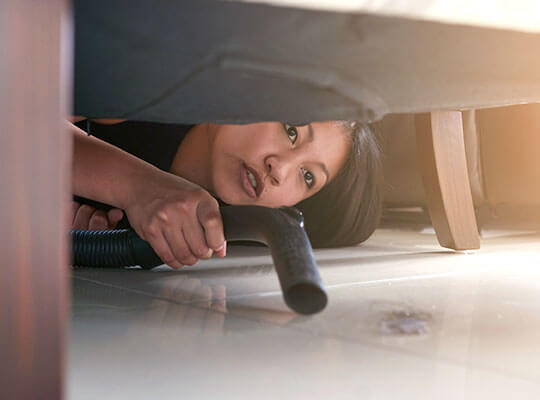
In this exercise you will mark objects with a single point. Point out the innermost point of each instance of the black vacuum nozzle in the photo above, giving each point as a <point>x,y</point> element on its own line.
<point>280,229</point>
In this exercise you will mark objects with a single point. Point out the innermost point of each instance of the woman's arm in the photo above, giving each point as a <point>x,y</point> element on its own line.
<point>179,219</point>
<point>105,173</point>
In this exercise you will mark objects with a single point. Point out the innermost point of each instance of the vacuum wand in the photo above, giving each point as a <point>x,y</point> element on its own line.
<point>281,229</point>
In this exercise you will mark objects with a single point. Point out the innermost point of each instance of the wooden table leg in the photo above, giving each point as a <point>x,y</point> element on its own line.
<point>443,165</point>
<point>35,158</point>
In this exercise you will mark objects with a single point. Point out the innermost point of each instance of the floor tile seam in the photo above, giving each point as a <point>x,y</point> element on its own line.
<point>373,282</point>
<point>483,255</point>
<point>176,301</point>
<point>299,329</point>
<point>415,277</point>
<point>143,293</point>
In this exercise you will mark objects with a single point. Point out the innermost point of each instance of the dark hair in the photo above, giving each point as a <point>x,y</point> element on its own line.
<point>347,210</point>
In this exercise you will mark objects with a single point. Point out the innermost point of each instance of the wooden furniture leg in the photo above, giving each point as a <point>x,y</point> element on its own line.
<point>35,158</point>
<point>443,165</point>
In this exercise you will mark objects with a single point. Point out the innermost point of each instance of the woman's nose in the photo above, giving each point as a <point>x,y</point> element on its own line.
<point>278,168</point>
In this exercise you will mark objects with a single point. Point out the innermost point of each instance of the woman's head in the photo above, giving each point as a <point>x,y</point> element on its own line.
<point>329,170</point>
<point>272,164</point>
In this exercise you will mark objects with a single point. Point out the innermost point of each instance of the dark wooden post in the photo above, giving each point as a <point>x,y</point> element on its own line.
<point>35,157</point>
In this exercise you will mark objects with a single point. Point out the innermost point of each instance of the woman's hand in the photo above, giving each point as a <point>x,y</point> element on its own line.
<point>179,219</point>
<point>89,218</point>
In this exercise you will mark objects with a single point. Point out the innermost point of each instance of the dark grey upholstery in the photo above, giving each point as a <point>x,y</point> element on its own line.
<point>221,61</point>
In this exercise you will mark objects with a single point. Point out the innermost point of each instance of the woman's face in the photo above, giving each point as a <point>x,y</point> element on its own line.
<point>272,164</point>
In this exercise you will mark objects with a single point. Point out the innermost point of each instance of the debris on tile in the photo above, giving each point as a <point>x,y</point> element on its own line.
<point>405,323</point>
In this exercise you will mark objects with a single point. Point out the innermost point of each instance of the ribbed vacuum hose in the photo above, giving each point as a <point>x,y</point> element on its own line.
<point>280,229</point>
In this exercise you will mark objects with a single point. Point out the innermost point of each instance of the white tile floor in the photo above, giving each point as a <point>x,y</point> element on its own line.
<point>406,320</point>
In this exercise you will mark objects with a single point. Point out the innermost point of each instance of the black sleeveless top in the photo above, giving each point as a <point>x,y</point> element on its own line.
<point>156,143</point>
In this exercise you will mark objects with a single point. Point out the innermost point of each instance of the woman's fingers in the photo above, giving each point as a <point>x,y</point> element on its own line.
<point>188,239</point>
<point>178,246</point>
<point>75,208</point>
<point>211,222</point>
<point>82,217</point>
<point>223,251</point>
<point>86,217</point>
<point>157,240</point>
<point>194,235</point>
<point>114,216</point>
<point>98,221</point>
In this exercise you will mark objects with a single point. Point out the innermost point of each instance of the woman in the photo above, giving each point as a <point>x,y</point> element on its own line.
<point>329,170</point>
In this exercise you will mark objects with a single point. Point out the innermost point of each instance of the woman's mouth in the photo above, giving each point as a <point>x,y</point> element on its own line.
<point>249,182</point>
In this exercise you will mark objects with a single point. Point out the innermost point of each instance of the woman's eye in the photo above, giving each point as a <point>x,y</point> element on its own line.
<point>309,178</point>
<point>292,133</point>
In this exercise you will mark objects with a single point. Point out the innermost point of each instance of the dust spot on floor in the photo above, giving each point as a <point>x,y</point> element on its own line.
<point>406,322</point>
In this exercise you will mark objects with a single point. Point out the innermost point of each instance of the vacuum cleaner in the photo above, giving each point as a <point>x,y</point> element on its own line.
<point>281,229</point>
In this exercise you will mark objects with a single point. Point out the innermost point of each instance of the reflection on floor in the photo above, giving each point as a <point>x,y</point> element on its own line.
<point>406,320</point>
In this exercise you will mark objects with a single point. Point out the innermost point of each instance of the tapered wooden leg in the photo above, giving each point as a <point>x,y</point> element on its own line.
<point>441,152</point>
<point>35,158</point>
